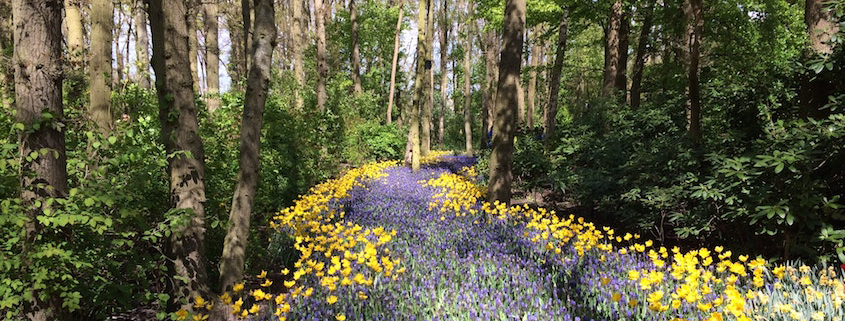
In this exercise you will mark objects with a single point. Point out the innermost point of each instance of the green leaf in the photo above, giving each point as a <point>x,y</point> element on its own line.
<point>112,139</point>
<point>89,201</point>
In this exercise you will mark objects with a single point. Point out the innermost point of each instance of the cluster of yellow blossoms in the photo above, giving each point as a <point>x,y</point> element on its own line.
<point>434,156</point>
<point>330,249</point>
<point>679,281</point>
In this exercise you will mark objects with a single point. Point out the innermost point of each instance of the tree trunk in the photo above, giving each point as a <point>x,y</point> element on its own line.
<point>445,25</point>
<point>621,83</point>
<point>419,87</point>
<point>38,88</point>
<point>532,79</point>
<point>501,159</point>
<point>356,56</point>
<point>100,68</point>
<point>246,17</point>
<point>394,64</point>
<point>212,54</point>
<point>428,85</point>
<point>298,43</point>
<point>322,67</point>
<point>185,247</point>
<point>491,53</point>
<point>258,83</point>
<point>816,88</point>
<point>468,81</point>
<point>554,79</point>
<point>142,44</point>
<point>612,61</point>
<point>695,26</point>
<point>642,54</point>
<point>234,24</point>
<point>75,32</point>
<point>194,46</point>
<point>7,69</point>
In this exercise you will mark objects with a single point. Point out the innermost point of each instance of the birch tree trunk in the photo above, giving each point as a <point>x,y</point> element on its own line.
<point>185,247</point>
<point>100,68</point>
<point>38,88</point>
<point>258,83</point>
<point>419,87</point>
<point>298,43</point>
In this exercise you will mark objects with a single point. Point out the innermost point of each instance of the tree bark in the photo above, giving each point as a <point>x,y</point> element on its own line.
<point>468,82</point>
<point>501,159</point>
<point>554,79</point>
<point>193,42</point>
<point>612,61</point>
<point>212,54</point>
<point>428,85</point>
<point>532,79</point>
<point>489,97</point>
<point>38,88</point>
<point>298,43</point>
<point>816,88</point>
<point>246,17</point>
<point>258,83</point>
<point>100,68</point>
<point>694,28</point>
<point>322,67</point>
<point>185,247</point>
<point>445,26</point>
<point>356,56</point>
<point>234,24</point>
<point>75,32</point>
<point>142,45</point>
<point>419,86</point>
<point>394,64</point>
<point>7,69</point>
<point>642,54</point>
<point>621,83</point>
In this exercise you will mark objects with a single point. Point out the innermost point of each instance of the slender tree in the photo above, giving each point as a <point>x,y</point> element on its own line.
<point>612,59</point>
<point>395,63</point>
<point>468,80</point>
<point>445,26</point>
<point>7,69</point>
<point>75,32</point>
<point>322,67</point>
<point>142,44</point>
<point>185,247</point>
<point>491,52</point>
<point>816,88</point>
<point>38,89</point>
<point>356,56</point>
<point>554,78</point>
<point>501,159</point>
<point>694,29</point>
<point>642,54</point>
<point>212,53</point>
<point>193,41</point>
<point>428,85</point>
<point>532,78</point>
<point>419,86</point>
<point>100,68</point>
<point>298,42</point>
<point>258,83</point>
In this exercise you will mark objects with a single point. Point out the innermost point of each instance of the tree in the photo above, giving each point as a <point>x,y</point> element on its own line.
<point>356,56</point>
<point>642,54</point>
<point>616,51</point>
<point>815,89</point>
<point>142,44</point>
<point>298,42</point>
<point>258,83</point>
<point>38,101</point>
<point>488,98</point>
<point>322,67</point>
<point>185,247</point>
<point>100,65</point>
<point>193,42</point>
<point>468,81</point>
<point>694,29</point>
<point>428,84</point>
<point>7,69</point>
<point>532,78</point>
<point>75,32</point>
<point>445,26</point>
<point>395,63</point>
<point>554,78</point>
<point>419,86</point>
<point>212,54</point>
<point>501,159</point>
